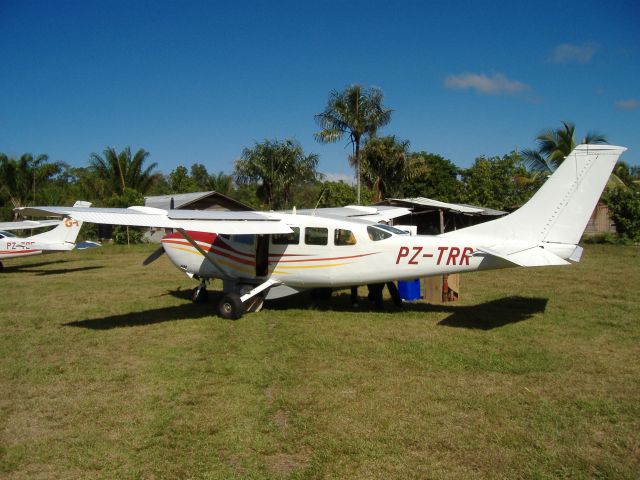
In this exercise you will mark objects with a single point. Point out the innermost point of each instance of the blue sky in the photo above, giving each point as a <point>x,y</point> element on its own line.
<point>199,81</point>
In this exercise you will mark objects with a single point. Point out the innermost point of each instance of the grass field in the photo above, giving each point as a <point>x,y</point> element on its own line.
<point>107,370</point>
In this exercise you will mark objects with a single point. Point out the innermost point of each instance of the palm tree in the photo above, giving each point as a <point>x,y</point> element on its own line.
<point>120,171</point>
<point>355,111</point>
<point>386,163</point>
<point>275,166</point>
<point>20,176</point>
<point>554,146</point>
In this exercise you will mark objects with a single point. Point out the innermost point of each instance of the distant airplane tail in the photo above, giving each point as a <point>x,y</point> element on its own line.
<point>559,211</point>
<point>66,232</point>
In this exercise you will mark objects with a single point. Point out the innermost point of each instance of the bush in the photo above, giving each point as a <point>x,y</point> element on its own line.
<point>624,206</point>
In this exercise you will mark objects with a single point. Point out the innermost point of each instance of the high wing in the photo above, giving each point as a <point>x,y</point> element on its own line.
<point>351,212</point>
<point>221,222</point>
<point>28,224</point>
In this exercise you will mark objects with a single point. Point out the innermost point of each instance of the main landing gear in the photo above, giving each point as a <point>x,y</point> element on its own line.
<point>233,305</point>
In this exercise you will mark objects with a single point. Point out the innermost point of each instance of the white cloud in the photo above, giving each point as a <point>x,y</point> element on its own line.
<point>566,53</point>
<point>629,104</point>
<point>497,84</point>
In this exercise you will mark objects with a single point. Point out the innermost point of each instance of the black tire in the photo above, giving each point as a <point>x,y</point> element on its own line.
<point>1,267</point>
<point>199,294</point>
<point>230,307</point>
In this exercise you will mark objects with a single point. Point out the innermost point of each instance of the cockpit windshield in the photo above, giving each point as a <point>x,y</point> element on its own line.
<point>4,234</point>
<point>382,232</point>
<point>391,229</point>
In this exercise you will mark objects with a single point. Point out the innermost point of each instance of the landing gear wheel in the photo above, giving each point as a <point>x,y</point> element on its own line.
<point>199,294</point>
<point>1,267</point>
<point>230,307</point>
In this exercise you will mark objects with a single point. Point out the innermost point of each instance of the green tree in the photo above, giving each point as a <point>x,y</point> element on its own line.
<point>357,112</point>
<point>276,167</point>
<point>441,181</point>
<point>222,183</point>
<point>554,145</point>
<point>386,164</point>
<point>624,206</point>
<point>500,183</point>
<point>117,171</point>
<point>181,182</point>
<point>23,180</point>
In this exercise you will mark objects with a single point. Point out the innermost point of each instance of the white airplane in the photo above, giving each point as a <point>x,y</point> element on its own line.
<point>60,238</point>
<point>270,254</point>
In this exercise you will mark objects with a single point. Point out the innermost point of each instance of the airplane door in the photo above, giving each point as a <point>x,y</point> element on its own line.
<point>262,255</point>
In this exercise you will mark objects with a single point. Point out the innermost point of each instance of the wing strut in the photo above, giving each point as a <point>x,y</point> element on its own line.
<point>206,255</point>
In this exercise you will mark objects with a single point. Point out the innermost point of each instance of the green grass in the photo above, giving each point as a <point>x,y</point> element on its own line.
<point>107,370</point>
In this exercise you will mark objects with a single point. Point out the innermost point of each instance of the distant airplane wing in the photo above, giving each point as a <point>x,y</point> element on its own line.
<point>222,222</point>
<point>373,214</point>
<point>28,224</point>
<point>87,244</point>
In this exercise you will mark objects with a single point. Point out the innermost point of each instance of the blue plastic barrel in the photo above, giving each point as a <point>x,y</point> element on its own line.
<point>409,289</point>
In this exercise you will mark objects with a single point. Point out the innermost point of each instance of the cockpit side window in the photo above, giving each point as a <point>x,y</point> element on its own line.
<point>292,238</point>
<point>377,234</point>
<point>343,237</point>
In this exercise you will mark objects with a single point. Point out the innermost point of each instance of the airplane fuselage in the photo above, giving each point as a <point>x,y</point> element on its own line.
<point>325,253</point>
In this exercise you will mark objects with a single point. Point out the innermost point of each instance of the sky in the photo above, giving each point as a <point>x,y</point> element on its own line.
<point>197,82</point>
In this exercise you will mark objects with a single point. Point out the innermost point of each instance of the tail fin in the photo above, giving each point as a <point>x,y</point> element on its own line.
<point>560,210</point>
<point>66,232</point>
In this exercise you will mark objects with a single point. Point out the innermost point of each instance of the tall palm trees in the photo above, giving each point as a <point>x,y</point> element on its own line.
<point>119,171</point>
<point>19,177</point>
<point>553,147</point>
<point>386,164</point>
<point>276,166</point>
<point>355,111</point>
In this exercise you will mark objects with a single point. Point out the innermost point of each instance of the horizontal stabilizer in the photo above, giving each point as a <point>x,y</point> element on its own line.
<point>28,224</point>
<point>531,257</point>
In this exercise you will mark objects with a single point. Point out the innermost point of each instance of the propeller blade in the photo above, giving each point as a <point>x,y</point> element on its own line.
<point>154,256</point>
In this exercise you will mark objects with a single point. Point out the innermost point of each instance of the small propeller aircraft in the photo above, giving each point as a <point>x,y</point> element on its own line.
<point>268,255</point>
<point>60,238</point>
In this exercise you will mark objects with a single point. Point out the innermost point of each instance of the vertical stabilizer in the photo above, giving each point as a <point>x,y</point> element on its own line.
<point>560,210</point>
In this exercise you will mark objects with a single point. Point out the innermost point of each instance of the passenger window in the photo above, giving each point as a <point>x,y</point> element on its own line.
<point>377,234</point>
<point>343,237</point>
<point>292,238</point>
<point>316,236</point>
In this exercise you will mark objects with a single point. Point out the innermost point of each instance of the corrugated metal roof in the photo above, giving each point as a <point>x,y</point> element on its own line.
<point>179,199</point>
<point>456,207</point>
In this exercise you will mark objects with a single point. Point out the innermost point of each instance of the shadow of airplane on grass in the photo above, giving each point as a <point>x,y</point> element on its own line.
<point>35,268</point>
<point>494,314</point>
<point>484,316</point>
<point>185,311</point>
